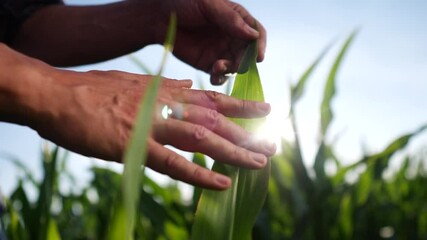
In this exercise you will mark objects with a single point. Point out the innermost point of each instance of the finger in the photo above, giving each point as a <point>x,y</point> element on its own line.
<point>223,127</point>
<point>262,42</point>
<point>251,21</point>
<point>218,79</point>
<point>170,163</point>
<point>226,105</point>
<point>222,66</point>
<point>196,138</point>
<point>219,69</point>
<point>228,17</point>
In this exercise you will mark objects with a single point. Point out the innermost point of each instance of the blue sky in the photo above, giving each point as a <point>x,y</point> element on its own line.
<point>381,85</point>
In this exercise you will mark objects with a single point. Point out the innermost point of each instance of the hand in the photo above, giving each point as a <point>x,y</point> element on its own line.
<point>213,34</point>
<point>92,113</point>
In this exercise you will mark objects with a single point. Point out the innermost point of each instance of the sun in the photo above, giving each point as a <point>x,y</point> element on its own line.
<point>276,127</point>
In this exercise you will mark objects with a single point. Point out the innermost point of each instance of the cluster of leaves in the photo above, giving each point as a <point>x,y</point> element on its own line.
<point>308,203</point>
<point>302,203</point>
<point>86,214</point>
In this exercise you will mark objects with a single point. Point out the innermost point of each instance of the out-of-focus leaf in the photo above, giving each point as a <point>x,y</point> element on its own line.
<point>298,90</point>
<point>230,214</point>
<point>46,193</point>
<point>53,233</point>
<point>345,218</point>
<point>387,153</point>
<point>27,213</point>
<point>319,162</point>
<point>329,92</point>
<point>175,232</point>
<point>135,153</point>
<point>364,187</point>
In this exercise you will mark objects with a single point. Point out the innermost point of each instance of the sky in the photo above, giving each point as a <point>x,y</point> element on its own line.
<point>381,87</point>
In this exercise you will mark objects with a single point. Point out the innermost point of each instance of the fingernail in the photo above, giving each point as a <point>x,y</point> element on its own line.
<point>222,180</point>
<point>251,31</point>
<point>259,158</point>
<point>264,107</point>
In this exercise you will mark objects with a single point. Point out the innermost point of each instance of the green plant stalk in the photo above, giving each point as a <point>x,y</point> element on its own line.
<point>231,214</point>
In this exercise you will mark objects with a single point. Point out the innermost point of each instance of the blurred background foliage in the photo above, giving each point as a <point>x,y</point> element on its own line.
<point>367,199</point>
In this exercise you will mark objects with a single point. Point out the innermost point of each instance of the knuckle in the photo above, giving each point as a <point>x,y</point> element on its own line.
<point>244,106</point>
<point>172,161</point>
<point>197,173</point>
<point>237,153</point>
<point>213,118</point>
<point>213,96</point>
<point>200,133</point>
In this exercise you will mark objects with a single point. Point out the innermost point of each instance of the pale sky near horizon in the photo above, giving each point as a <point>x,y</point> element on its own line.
<point>381,85</point>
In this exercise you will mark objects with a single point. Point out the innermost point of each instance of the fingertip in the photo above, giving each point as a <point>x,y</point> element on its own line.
<point>218,80</point>
<point>260,56</point>
<point>251,32</point>
<point>263,108</point>
<point>223,182</point>
<point>187,83</point>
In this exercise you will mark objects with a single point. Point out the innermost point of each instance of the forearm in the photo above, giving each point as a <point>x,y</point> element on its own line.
<point>20,85</point>
<point>75,35</point>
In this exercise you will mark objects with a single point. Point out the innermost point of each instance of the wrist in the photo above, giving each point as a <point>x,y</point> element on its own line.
<point>153,19</point>
<point>23,82</point>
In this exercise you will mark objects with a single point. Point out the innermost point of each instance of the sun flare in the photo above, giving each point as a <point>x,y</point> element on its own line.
<point>276,127</point>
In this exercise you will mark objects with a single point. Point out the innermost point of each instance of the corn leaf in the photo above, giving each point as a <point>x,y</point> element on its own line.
<point>47,189</point>
<point>298,90</point>
<point>231,214</point>
<point>386,154</point>
<point>53,232</point>
<point>329,92</point>
<point>135,153</point>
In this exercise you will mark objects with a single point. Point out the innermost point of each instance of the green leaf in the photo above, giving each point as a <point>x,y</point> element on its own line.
<point>47,190</point>
<point>53,233</point>
<point>298,90</point>
<point>326,114</point>
<point>345,218</point>
<point>363,187</point>
<point>135,153</point>
<point>396,145</point>
<point>231,214</point>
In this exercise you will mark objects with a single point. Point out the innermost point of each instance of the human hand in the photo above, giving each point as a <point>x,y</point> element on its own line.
<point>212,35</point>
<point>92,113</point>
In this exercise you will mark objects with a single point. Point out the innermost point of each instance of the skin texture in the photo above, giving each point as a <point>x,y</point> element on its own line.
<point>92,113</point>
<point>211,34</point>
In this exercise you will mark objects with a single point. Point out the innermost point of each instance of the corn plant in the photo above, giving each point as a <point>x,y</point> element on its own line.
<point>303,206</point>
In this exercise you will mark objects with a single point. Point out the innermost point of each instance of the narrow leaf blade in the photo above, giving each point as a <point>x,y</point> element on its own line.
<point>326,114</point>
<point>135,153</point>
